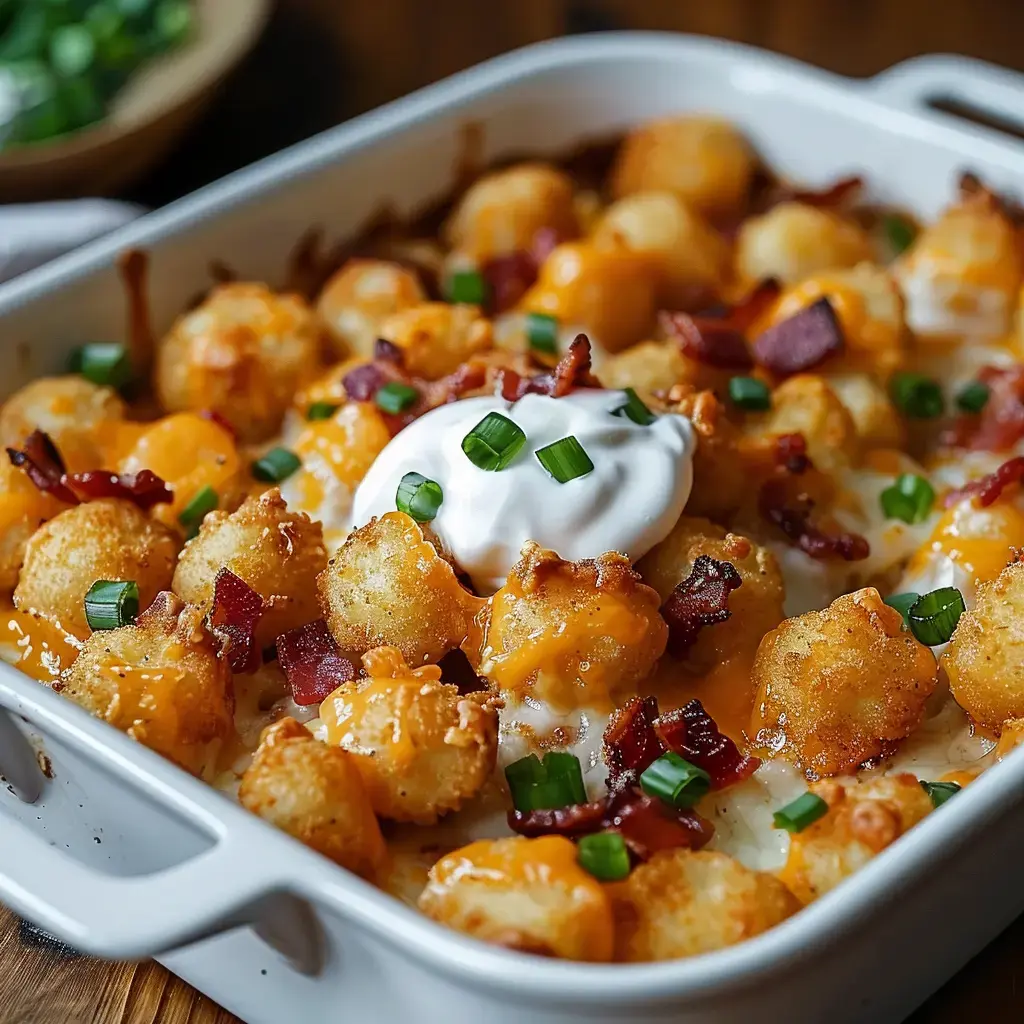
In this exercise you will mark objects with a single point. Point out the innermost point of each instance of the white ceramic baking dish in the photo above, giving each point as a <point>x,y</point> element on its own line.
<point>122,855</point>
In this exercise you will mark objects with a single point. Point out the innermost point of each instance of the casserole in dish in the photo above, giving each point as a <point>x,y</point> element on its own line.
<point>219,866</point>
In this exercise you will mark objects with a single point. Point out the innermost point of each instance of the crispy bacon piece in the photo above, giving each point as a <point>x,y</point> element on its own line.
<point>362,383</point>
<point>702,599</point>
<point>387,351</point>
<point>791,453</point>
<point>711,342</point>
<point>1000,424</point>
<point>988,489</point>
<point>42,462</point>
<point>837,194</point>
<point>693,734</point>
<point>312,662</point>
<point>630,743</point>
<point>237,608</point>
<point>572,371</point>
<point>456,670</point>
<point>801,342</point>
<point>508,278</point>
<point>792,516</point>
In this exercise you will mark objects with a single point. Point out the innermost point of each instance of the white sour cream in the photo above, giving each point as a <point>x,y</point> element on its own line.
<point>637,490</point>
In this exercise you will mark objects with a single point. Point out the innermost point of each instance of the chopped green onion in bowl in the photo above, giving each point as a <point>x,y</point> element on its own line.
<point>800,813</point>
<point>675,780</point>
<point>909,499</point>
<point>419,497</point>
<point>565,459</point>
<point>635,409</point>
<point>973,397</point>
<point>111,604</point>
<point>940,792</point>
<point>934,616</point>
<point>494,442</point>
<point>542,333</point>
<point>903,603</point>
<point>750,393</point>
<point>276,465</point>
<point>916,395</point>
<point>604,855</point>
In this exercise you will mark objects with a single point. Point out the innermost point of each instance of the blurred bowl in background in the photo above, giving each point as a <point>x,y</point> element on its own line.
<point>146,118</point>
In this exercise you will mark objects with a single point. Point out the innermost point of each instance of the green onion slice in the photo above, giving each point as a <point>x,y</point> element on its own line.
<point>419,497</point>
<point>910,498</point>
<point>973,397</point>
<point>103,362</point>
<point>494,442</point>
<point>565,460</point>
<point>940,792</point>
<point>110,604</point>
<point>321,410</point>
<point>542,332</point>
<point>555,782</point>
<point>673,779</point>
<point>903,603</point>
<point>395,397</point>
<point>194,512</point>
<point>934,616</point>
<point>604,855</point>
<point>276,465</point>
<point>899,232</point>
<point>916,395</point>
<point>635,409</point>
<point>467,286</point>
<point>750,393</point>
<point>803,811</point>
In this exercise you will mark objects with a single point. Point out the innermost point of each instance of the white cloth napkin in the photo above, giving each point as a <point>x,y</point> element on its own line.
<point>32,233</point>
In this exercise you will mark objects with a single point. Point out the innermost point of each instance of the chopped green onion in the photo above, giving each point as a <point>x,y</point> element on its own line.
<point>750,393</point>
<point>72,50</point>
<point>973,397</point>
<point>916,395</point>
<point>419,497</point>
<point>803,811</point>
<point>537,785</point>
<point>276,465</point>
<point>899,232</point>
<point>467,286</point>
<point>193,513</point>
<point>635,409</point>
<point>910,498</point>
<point>395,397</point>
<point>903,603</point>
<point>565,460</point>
<point>110,604</point>
<point>494,442</point>
<point>102,362</point>
<point>542,332</point>
<point>321,410</point>
<point>940,792</point>
<point>934,616</point>
<point>675,780</point>
<point>604,855</point>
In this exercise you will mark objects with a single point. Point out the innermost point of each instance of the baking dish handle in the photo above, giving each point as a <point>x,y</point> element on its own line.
<point>962,87</point>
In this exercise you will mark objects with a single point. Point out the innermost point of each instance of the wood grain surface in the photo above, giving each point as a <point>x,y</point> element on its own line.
<point>322,61</point>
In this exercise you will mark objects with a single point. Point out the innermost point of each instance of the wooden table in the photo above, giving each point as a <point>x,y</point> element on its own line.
<point>322,61</point>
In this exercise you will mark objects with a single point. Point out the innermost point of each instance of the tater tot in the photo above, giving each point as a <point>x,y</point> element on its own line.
<point>864,817</point>
<point>99,540</point>
<point>78,415</point>
<point>524,894</point>
<point>1011,736</point>
<point>573,634</point>
<point>277,552</point>
<point>388,586</point>
<point>502,212</point>
<point>242,354</point>
<point>681,903</point>
<point>23,509</point>
<point>704,161</point>
<point>360,297</point>
<point>421,748</point>
<point>794,240</point>
<point>313,792</point>
<point>985,657</point>
<point>839,686</point>
<point>650,366</point>
<point>690,258</point>
<point>875,419</point>
<point>162,681</point>
<point>436,337</point>
<point>610,292</point>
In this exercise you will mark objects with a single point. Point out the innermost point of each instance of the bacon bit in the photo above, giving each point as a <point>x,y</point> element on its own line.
<point>312,662</point>
<point>508,279</point>
<point>793,518</point>
<point>702,599</point>
<point>42,462</point>
<point>456,670</point>
<point>693,734</point>
<point>801,342</point>
<point>237,608</point>
<point>791,453</point>
<point>133,266</point>
<point>988,489</point>
<point>836,194</point>
<point>631,745</point>
<point>1000,425</point>
<point>711,342</point>
<point>388,352</point>
<point>572,371</point>
<point>362,383</point>
<point>572,822</point>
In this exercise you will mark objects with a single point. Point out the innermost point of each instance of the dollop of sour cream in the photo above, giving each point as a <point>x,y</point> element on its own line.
<point>638,487</point>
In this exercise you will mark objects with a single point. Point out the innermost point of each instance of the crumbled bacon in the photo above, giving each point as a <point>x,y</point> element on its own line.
<point>972,187</point>
<point>572,371</point>
<point>456,670</point>
<point>630,743</point>
<point>791,453</point>
<point>988,489</point>
<point>711,342</point>
<point>362,383</point>
<point>1000,424</point>
<point>702,599</point>
<point>508,278</point>
<point>693,734</point>
<point>312,662</point>
<point>800,342</point>
<point>42,462</point>
<point>387,351</point>
<point>237,609</point>
<point>836,194</point>
<point>792,516</point>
